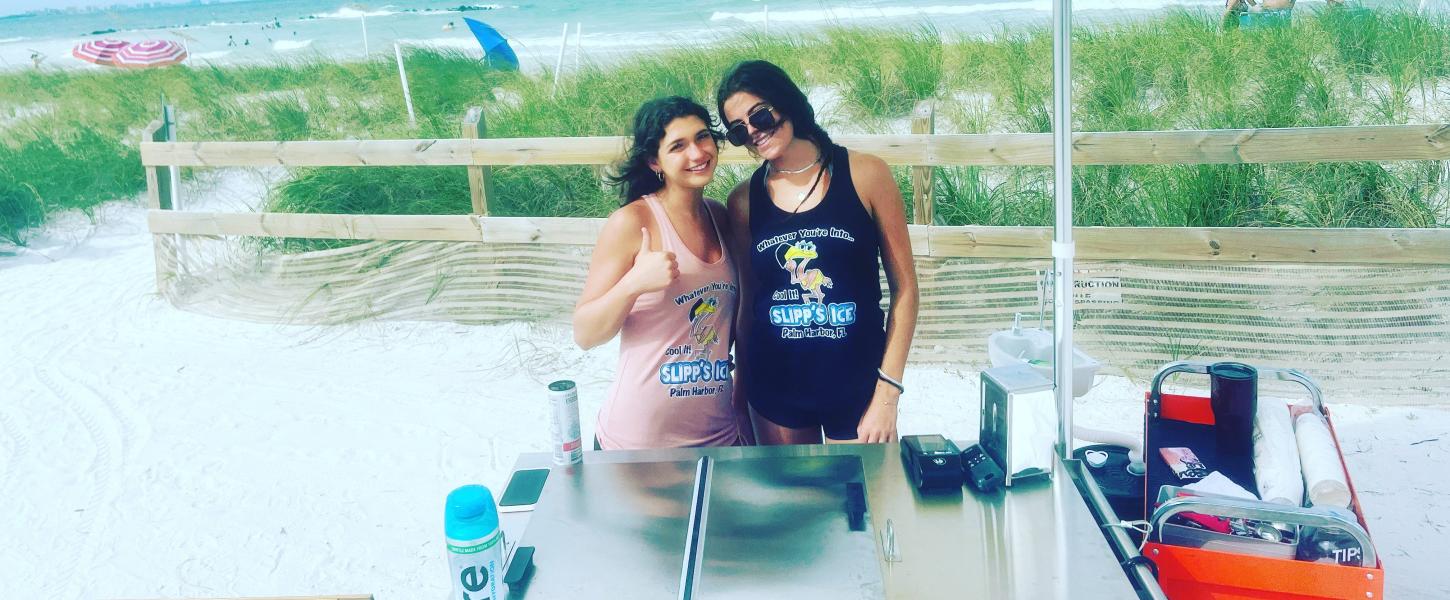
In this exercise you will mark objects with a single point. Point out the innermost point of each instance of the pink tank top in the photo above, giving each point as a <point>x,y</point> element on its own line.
<point>673,385</point>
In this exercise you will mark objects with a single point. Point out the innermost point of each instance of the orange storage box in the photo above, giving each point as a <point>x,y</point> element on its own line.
<point>1201,573</point>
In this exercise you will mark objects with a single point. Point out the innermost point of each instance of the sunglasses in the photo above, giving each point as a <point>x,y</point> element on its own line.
<point>762,118</point>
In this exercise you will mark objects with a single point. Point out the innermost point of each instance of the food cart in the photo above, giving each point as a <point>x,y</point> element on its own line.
<point>846,521</point>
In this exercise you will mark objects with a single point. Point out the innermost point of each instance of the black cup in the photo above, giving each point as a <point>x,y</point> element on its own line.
<point>1234,394</point>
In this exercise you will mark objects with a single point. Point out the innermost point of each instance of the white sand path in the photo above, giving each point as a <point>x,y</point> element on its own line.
<point>150,452</point>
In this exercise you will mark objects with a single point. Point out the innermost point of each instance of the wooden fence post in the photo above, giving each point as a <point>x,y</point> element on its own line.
<point>162,182</point>
<point>601,174</point>
<point>154,132</point>
<point>163,187</point>
<point>923,121</point>
<point>480,178</point>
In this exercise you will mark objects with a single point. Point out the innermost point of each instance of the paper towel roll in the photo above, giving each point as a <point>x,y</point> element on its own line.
<point>1323,473</point>
<point>1276,455</point>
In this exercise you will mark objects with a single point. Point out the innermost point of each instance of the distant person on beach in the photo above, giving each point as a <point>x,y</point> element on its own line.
<point>1235,9</point>
<point>231,42</point>
<point>448,27</point>
<point>37,57</point>
<point>1266,10</point>
<point>817,355</point>
<point>663,280</point>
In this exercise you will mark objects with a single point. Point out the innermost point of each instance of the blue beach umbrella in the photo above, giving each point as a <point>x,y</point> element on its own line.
<point>496,50</point>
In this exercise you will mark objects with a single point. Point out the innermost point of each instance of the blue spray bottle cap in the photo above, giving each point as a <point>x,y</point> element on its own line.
<point>470,513</point>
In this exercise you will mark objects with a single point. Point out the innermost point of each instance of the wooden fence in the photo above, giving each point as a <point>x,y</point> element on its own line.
<point>921,151</point>
<point>1376,300</point>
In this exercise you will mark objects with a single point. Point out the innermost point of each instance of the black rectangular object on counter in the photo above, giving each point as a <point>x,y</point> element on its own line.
<point>980,471</point>
<point>519,566</point>
<point>932,462</point>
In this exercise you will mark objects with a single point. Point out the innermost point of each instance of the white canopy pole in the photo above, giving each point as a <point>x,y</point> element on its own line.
<point>559,64</point>
<point>1062,245</point>
<point>578,41</point>
<point>403,75</point>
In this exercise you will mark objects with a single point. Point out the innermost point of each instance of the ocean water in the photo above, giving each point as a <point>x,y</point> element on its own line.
<point>268,30</point>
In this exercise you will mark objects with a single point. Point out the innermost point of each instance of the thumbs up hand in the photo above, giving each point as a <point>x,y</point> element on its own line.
<point>652,271</point>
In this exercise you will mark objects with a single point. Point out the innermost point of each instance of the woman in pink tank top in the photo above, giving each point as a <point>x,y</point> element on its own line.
<point>660,277</point>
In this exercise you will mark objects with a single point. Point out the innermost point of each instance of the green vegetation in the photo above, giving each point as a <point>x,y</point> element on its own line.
<point>73,144</point>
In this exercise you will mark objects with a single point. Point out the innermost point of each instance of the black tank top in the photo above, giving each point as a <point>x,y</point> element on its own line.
<point>817,331</point>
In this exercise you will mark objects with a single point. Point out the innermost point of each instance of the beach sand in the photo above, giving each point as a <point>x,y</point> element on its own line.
<point>168,454</point>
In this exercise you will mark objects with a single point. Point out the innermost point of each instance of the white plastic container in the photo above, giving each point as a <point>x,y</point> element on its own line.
<point>1324,480</point>
<point>1034,347</point>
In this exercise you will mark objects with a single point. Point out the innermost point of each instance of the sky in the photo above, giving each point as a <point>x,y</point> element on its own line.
<point>15,7</point>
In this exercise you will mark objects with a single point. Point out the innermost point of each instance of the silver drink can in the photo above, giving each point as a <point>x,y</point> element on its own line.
<point>564,419</point>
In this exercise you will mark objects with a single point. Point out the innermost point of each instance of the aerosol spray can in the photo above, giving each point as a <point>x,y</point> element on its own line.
<point>475,544</point>
<point>564,419</point>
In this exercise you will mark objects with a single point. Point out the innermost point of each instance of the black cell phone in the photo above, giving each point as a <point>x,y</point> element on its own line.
<point>524,487</point>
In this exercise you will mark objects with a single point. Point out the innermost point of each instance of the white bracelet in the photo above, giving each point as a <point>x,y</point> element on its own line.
<point>887,378</point>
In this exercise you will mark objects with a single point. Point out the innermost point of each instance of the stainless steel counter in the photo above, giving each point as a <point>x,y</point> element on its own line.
<point>1035,541</point>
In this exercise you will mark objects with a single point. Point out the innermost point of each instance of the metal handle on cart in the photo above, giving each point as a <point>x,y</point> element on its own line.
<point>695,535</point>
<point>1261,511</point>
<point>1186,366</point>
<point>1138,567</point>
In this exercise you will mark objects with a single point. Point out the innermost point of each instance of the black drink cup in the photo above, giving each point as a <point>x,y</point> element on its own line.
<point>1234,394</point>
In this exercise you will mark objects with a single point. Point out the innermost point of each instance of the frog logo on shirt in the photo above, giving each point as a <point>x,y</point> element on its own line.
<point>810,280</point>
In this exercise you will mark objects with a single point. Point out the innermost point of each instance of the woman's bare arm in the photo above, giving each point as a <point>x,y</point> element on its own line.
<point>877,188</point>
<point>737,205</point>
<point>623,267</point>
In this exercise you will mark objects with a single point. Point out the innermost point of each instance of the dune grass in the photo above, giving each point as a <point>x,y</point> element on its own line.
<point>1175,71</point>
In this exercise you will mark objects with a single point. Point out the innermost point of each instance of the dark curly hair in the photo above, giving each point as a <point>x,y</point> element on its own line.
<point>632,175</point>
<point>774,86</point>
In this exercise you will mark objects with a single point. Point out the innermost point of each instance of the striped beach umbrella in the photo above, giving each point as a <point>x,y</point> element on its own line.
<point>150,53</point>
<point>100,52</point>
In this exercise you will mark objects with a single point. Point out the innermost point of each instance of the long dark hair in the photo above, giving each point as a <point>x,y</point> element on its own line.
<point>774,86</point>
<point>632,175</point>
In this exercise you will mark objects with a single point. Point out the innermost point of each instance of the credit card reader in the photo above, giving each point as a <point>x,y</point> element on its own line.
<point>980,471</point>
<point>932,462</point>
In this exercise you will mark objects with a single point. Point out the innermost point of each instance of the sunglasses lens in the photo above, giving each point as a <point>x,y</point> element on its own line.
<point>763,120</point>
<point>737,134</point>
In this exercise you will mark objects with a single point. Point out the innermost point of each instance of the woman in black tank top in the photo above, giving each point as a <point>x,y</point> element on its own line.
<point>815,351</point>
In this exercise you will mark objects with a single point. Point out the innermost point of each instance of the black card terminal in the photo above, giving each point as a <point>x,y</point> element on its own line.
<point>932,462</point>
